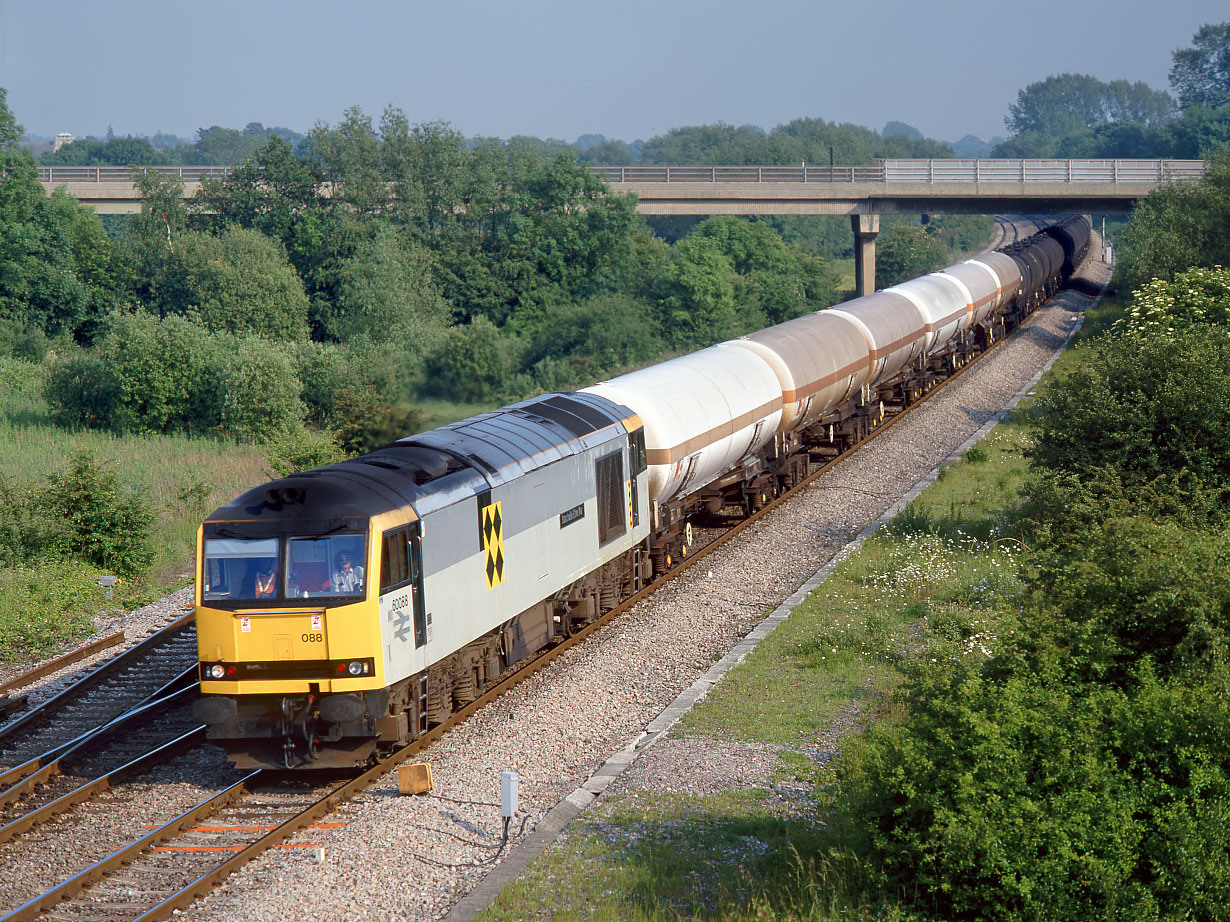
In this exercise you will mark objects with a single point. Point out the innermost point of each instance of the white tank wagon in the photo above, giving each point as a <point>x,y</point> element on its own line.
<point>895,328</point>
<point>821,360</point>
<point>702,414</point>
<point>983,285</point>
<point>945,305</point>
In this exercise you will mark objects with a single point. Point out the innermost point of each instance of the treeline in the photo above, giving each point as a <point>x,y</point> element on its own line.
<point>1079,116</point>
<point>1082,770</point>
<point>390,265</point>
<point>215,146</point>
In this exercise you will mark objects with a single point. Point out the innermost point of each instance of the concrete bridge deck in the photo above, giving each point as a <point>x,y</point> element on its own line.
<point>885,187</point>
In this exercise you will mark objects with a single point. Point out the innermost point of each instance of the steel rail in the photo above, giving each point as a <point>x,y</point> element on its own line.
<point>123,856</point>
<point>30,676</point>
<point>42,770</point>
<point>92,789</point>
<point>96,676</point>
<point>39,764</point>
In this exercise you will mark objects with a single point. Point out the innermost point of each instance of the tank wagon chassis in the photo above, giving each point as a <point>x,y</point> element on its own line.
<point>592,495</point>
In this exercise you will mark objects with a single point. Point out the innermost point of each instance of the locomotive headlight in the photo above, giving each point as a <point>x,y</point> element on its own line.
<point>355,667</point>
<point>217,671</point>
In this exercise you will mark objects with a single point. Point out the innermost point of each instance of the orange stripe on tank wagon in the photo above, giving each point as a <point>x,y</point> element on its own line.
<point>802,393</point>
<point>247,828</point>
<point>721,431</point>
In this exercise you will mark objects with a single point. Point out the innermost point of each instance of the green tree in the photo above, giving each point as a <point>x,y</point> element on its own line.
<point>238,282</point>
<point>10,131</point>
<point>54,263</point>
<point>1200,75</point>
<point>1064,104</point>
<point>472,364</point>
<point>1178,226</point>
<point>388,292</point>
<point>906,252</point>
<point>699,296</point>
<point>164,214</point>
<point>126,151</point>
<point>349,161</point>
<point>260,399</point>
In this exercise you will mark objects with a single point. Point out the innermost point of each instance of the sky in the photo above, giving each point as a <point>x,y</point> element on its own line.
<point>625,69</point>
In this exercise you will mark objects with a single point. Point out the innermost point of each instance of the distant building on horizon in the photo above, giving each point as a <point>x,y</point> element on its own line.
<point>61,139</point>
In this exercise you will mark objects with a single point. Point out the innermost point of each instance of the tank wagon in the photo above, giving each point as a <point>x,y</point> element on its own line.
<point>345,610</point>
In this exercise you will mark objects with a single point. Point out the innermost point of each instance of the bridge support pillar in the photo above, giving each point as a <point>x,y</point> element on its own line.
<point>866,227</point>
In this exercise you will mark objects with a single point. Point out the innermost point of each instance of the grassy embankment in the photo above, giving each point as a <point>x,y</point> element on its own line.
<point>44,604</point>
<point>934,586</point>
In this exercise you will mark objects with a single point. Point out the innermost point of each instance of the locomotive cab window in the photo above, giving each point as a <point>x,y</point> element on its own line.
<point>400,567</point>
<point>273,569</point>
<point>399,559</point>
<point>239,568</point>
<point>332,566</point>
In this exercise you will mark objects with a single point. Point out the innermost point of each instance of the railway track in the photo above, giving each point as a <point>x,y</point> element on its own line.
<point>171,866</point>
<point>116,686</point>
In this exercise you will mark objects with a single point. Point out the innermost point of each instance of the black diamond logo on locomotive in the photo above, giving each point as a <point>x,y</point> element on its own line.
<point>493,543</point>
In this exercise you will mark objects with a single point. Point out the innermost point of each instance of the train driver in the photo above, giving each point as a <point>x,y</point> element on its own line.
<point>347,579</point>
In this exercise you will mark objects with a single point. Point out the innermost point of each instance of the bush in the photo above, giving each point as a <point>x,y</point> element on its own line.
<point>1144,409</point>
<point>105,523</point>
<point>26,532</point>
<point>81,391</point>
<point>237,282</point>
<point>1015,795</point>
<point>301,450</point>
<point>1138,589</point>
<point>1194,299</point>
<point>144,375</point>
<point>261,390</point>
<point>472,364</point>
<point>22,340</point>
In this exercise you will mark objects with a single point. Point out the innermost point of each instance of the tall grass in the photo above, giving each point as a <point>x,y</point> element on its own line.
<point>182,478</point>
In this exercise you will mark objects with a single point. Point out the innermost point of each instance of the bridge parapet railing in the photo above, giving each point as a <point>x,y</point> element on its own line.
<point>880,171</point>
<point>714,174</point>
<point>1049,171</point>
<point>56,174</point>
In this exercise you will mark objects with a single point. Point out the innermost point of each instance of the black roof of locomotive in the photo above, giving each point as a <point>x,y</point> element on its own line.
<point>438,467</point>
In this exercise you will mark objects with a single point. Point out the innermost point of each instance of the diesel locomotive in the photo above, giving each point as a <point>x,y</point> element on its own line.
<point>344,610</point>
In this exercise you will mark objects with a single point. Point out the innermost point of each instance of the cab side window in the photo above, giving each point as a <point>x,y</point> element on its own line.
<point>395,559</point>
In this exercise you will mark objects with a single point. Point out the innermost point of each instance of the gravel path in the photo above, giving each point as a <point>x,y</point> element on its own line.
<point>411,858</point>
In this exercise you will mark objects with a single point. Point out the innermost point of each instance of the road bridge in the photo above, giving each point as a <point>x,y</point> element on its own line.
<point>862,192</point>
